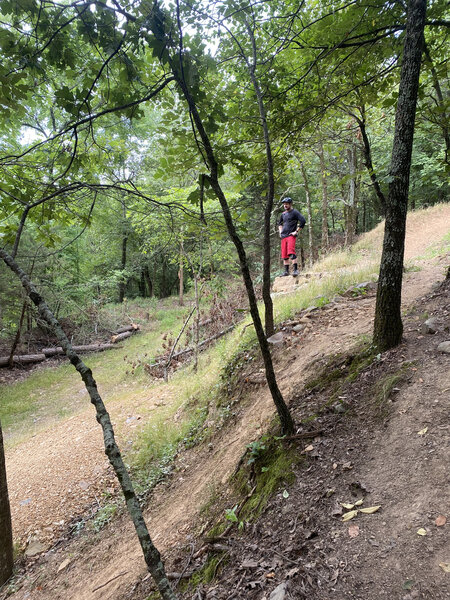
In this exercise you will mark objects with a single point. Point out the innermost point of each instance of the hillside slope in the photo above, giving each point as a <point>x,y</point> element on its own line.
<point>114,558</point>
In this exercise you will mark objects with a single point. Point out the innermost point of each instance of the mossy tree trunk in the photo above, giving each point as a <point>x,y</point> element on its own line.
<point>388,326</point>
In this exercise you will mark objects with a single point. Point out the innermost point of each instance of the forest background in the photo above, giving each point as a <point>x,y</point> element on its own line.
<point>98,152</point>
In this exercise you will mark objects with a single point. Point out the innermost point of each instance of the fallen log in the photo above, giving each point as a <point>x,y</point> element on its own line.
<point>22,360</point>
<point>121,336</point>
<point>83,348</point>
<point>133,327</point>
<point>187,350</point>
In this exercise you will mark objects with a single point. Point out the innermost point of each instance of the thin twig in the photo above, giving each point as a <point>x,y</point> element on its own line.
<point>109,581</point>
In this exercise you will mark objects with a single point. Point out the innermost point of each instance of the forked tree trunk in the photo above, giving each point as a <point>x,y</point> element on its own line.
<point>388,326</point>
<point>6,539</point>
<point>151,554</point>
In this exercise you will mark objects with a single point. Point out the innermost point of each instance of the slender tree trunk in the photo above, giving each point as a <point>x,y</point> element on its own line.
<point>443,121</point>
<point>325,240</point>
<point>6,539</point>
<point>368,160</point>
<point>181,275</point>
<point>268,304</point>
<point>149,281</point>
<point>18,334</point>
<point>308,215</point>
<point>287,423</point>
<point>151,554</point>
<point>123,264</point>
<point>197,322</point>
<point>388,326</point>
<point>351,204</point>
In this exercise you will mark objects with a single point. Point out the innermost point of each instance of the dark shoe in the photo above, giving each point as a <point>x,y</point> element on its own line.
<point>295,273</point>
<point>285,274</point>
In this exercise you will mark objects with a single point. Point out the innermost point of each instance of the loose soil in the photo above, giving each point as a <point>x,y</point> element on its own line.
<point>369,451</point>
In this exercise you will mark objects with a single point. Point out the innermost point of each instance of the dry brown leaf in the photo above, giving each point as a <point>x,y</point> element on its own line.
<point>309,448</point>
<point>353,531</point>
<point>421,531</point>
<point>441,520</point>
<point>349,515</point>
<point>445,567</point>
<point>370,509</point>
<point>422,431</point>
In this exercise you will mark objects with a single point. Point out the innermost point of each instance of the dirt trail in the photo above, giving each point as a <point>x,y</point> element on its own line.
<point>72,482</point>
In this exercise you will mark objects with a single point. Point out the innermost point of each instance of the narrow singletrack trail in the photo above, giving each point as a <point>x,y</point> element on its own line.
<point>53,475</point>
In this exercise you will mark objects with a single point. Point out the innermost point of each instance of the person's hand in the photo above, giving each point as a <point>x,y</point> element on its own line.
<point>294,233</point>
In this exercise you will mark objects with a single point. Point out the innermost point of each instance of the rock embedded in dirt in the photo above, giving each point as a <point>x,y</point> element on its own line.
<point>34,548</point>
<point>298,328</point>
<point>430,326</point>
<point>276,339</point>
<point>279,593</point>
<point>444,347</point>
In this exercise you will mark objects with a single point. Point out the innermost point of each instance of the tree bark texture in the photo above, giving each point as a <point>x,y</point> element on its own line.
<point>151,554</point>
<point>6,539</point>
<point>388,326</point>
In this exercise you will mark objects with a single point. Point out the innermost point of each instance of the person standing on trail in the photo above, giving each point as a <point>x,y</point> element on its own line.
<point>290,223</point>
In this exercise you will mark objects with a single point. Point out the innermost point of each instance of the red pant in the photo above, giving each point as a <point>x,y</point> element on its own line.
<point>288,246</point>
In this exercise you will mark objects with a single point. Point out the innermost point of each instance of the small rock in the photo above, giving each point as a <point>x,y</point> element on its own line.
<point>430,326</point>
<point>444,347</point>
<point>298,328</point>
<point>276,339</point>
<point>279,593</point>
<point>35,547</point>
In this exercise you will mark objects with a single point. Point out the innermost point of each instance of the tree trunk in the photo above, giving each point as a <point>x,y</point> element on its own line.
<point>368,159</point>
<point>149,281</point>
<point>18,333</point>
<point>181,275</point>
<point>325,240</point>
<point>123,264</point>
<point>309,215</point>
<point>443,121</point>
<point>388,326</point>
<point>351,204</point>
<point>287,423</point>
<point>6,539</point>
<point>268,304</point>
<point>151,554</point>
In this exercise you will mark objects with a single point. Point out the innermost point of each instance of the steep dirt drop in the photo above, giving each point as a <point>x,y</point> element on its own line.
<point>108,565</point>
